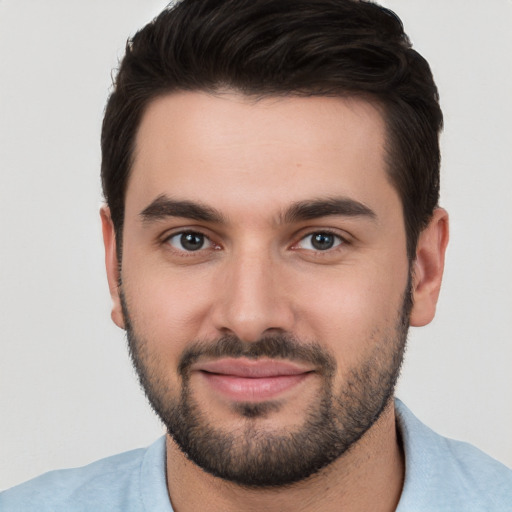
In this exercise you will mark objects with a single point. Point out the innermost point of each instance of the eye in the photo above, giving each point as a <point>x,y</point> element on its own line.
<point>320,241</point>
<point>189,241</point>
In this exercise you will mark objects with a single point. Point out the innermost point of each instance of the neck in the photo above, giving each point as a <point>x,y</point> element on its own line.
<point>369,476</point>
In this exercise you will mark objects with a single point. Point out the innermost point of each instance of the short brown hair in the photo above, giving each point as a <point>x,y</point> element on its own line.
<point>283,47</point>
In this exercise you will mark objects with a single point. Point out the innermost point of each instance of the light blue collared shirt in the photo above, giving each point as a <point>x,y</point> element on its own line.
<point>441,475</point>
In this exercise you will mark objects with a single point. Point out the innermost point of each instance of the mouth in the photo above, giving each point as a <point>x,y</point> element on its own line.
<point>246,380</point>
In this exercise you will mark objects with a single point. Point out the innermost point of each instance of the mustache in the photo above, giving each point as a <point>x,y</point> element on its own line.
<point>279,346</point>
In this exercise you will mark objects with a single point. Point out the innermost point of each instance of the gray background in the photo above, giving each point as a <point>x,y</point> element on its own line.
<point>68,394</point>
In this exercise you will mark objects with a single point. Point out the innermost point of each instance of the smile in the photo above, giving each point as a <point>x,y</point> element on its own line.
<point>252,381</point>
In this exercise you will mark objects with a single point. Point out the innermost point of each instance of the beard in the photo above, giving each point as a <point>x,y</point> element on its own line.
<point>254,457</point>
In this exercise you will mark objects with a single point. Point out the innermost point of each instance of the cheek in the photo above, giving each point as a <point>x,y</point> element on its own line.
<point>166,308</point>
<point>353,311</point>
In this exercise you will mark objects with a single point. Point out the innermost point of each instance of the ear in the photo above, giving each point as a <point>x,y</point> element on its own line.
<point>428,268</point>
<point>112,265</point>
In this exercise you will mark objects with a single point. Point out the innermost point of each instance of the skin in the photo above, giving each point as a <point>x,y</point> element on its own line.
<point>259,274</point>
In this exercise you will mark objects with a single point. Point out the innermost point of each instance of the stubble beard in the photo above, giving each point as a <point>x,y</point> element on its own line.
<point>253,457</point>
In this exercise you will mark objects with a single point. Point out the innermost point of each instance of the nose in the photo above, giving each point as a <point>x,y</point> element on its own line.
<point>253,301</point>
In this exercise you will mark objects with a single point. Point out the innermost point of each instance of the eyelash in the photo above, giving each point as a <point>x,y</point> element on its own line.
<point>323,232</point>
<point>190,233</point>
<point>338,241</point>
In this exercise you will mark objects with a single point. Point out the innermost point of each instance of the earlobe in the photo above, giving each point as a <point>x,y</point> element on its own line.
<point>112,265</point>
<point>428,268</point>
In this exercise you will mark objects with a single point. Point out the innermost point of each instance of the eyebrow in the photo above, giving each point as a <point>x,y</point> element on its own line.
<point>313,209</point>
<point>164,206</point>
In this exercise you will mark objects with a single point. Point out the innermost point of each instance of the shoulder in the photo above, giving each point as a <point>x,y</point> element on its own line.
<point>103,485</point>
<point>449,474</point>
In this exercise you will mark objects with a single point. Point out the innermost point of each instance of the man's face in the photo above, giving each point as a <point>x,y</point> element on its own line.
<point>264,278</point>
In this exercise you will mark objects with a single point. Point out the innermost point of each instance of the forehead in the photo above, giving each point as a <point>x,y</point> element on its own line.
<point>207,147</point>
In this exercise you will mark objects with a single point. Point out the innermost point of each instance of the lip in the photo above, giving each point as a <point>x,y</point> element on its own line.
<point>252,380</point>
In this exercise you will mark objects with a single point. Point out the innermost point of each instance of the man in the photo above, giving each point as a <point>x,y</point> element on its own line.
<point>271,173</point>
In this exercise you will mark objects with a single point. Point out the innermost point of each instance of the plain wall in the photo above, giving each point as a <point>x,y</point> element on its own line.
<point>68,394</point>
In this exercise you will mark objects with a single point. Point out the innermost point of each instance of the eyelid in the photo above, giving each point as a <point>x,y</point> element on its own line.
<point>177,232</point>
<point>344,239</point>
